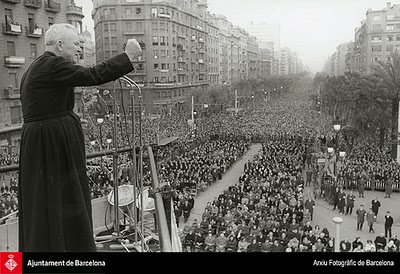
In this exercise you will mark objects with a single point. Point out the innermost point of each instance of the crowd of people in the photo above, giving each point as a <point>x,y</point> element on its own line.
<point>266,211</point>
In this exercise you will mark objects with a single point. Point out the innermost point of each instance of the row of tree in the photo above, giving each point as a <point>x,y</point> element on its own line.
<point>366,106</point>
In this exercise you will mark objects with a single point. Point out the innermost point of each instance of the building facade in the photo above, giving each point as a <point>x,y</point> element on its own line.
<point>173,36</point>
<point>24,23</point>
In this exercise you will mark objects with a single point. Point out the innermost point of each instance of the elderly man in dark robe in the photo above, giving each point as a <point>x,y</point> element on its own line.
<point>55,212</point>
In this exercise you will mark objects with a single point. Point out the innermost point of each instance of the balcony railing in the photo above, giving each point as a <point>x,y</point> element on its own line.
<point>34,32</point>
<point>14,61</point>
<point>11,1</point>
<point>12,29</point>
<point>201,40</point>
<point>164,15</point>
<point>74,10</point>
<point>11,93</point>
<point>52,6</point>
<point>36,4</point>
<point>133,32</point>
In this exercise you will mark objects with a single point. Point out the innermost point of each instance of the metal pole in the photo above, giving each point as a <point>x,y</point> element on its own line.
<point>115,167</point>
<point>134,179</point>
<point>141,171</point>
<point>236,102</point>
<point>192,109</point>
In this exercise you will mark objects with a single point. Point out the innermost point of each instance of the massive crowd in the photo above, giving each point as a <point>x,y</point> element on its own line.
<point>265,210</point>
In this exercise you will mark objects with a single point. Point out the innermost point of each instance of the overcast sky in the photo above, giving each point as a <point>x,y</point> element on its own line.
<point>312,28</point>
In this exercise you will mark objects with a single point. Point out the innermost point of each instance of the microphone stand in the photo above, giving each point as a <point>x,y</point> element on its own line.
<point>140,101</point>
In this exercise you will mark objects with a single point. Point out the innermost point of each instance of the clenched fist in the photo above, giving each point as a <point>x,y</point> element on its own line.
<point>132,49</point>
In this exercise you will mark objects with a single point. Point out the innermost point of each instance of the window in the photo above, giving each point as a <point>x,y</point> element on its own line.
<point>162,25</point>
<point>389,48</point>
<point>376,38</point>
<point>390,16</point>
<point>390,38</point>
<point>376,48</point>
<point>128,11</point>
<point>112,11</point>
<point>153,12</point>
<point>138,10</point>
<point>162,40</point>
<point>390,27</point>
<point>377,17</point>
<point>155,40</point>
<point>128,25</point>
<point>139,25</point>
<point>33,48</point>
<point>11,48</point>
<point>113,27</point>
<point>398,37</point>
<point>15,112</point>
<point>376,27</point>
<point>155,53</point>
<point>113,41</point>
<point>51,21</point>
<point>14,79</point>
<point>105,27</point>
<point>163,66</point>
<point>154,26</point>
<point>155,65</point>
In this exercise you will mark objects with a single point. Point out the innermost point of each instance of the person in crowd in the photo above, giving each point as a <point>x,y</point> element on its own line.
<point>371,219</point>
<point>350,198</point>
<point>376,204</point>
<point>380,242</point>
<point>388,224</point>
<point>360,212</point>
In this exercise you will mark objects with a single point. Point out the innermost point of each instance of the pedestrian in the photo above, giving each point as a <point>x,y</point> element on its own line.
<point>310,205</point>
<point>335,195</point>
<point>388,188</point>
<point>361,186</point>
<point>371,218</point>
<point>375,206</point>
<point>388,224</point>
<point>55,210</point>
<point>342,201</point>
<point>360,217</point>
<point>350,202</point>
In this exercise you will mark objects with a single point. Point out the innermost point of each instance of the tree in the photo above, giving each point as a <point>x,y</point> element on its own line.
<point>388,75</point>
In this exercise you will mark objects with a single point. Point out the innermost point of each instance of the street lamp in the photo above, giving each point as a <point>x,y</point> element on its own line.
<point>100,120</point>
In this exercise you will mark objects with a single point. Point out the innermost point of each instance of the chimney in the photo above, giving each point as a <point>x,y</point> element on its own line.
<point>388,4</point>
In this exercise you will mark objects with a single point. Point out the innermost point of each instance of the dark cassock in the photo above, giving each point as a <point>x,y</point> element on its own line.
<point>55,212</point>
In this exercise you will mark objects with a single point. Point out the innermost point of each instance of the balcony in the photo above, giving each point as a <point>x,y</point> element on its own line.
<point>14,61</point>
<point>201,40</point>
<point>52,6</point>
<point>192,49</point>
<point>75,10</point>
<point>12,29</point>
<point>164,15</point>
<point>11,1</point>
<point>133,32</point>
<point>36,4</point>
<point>140,59</point>
<point>163,70</point>
<point>201,61</point>
<point>181,71</point>
<point>139,72</point>
<point>34,32</point>
<point>181,35</point>
<point>193,37</point>
<point>11,93</point>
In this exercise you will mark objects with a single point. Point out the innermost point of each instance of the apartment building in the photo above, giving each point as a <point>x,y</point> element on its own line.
<point>24,23</point>
<point>376,38</point>
<point>173,36</point>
